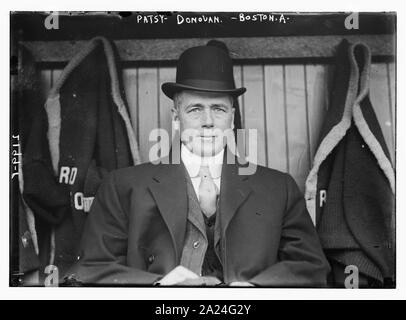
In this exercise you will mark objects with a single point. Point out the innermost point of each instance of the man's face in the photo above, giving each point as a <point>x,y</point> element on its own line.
<point>203,117</point>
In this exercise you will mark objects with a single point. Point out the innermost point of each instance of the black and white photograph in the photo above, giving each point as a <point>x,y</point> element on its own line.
<point>203,149</point>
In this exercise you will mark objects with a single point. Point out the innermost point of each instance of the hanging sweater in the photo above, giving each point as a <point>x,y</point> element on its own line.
<point>350,189</point>
<point>88,134</point>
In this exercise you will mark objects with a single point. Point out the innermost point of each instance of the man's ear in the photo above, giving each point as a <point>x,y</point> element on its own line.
<point>232,118</point>
<point>175,118</point>
<point>175,115</point>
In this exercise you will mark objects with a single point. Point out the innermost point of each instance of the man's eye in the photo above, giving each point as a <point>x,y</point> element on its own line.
<point>218,109</point>
<point>193,110</point>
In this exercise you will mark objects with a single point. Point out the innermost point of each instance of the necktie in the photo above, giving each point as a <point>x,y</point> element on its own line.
<point>208,192</point>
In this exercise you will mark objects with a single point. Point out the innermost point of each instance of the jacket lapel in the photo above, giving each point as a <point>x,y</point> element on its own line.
<point>234,191</point>
<point>195,215</point>
<point>169,191</point>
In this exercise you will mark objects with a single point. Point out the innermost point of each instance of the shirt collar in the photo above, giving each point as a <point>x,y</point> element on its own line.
<point>193,162</point>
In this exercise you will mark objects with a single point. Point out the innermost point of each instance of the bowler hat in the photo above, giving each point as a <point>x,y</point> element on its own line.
<point>204,68</point>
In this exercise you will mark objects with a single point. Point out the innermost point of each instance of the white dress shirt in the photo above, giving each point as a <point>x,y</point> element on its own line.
<point>193,163</point>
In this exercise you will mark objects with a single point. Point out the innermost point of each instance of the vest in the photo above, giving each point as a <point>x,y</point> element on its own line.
<point>195,252</point>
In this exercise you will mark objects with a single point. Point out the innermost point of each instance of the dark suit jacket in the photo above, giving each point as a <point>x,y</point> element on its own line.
<point>135,230</point>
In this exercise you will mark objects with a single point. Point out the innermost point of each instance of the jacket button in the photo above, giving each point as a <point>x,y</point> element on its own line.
<point>25,238</point>
<point>196,244</point>
<point>151,258</point>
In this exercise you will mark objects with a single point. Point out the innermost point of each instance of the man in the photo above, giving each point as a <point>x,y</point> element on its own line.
<point>200,221</point>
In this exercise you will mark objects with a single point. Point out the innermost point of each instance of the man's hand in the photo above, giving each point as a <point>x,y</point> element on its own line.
<point>201,281</point>
<point>182,276</point>
<point>178,275</point>
<point>240,284</point>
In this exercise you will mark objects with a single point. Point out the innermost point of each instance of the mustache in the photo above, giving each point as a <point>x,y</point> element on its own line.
<point>198,134</point>
<point>205,132</point>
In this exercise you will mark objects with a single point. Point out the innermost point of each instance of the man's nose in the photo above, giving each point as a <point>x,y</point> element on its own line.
<point>207,119</point>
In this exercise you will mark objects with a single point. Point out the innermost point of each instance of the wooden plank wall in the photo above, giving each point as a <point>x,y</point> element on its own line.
<point>285,102</point>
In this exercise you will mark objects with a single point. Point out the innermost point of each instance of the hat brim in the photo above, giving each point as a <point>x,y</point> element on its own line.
<point>170,88</point>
